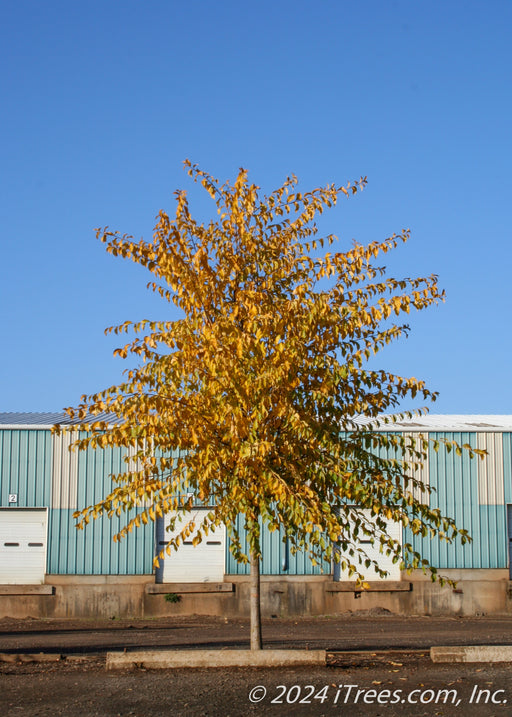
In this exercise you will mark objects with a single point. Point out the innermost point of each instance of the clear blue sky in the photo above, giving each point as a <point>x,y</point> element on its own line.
<point>102,101</point>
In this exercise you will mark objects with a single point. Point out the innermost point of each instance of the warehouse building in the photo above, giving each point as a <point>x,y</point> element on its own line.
<point>49,568</point>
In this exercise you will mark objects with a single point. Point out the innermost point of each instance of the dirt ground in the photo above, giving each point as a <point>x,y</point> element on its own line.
<point>360,630</point>
<point>409,685</point>
<point>384,669</point>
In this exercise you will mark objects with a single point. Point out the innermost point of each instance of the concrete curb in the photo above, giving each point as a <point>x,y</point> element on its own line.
<point>472,653</point>
<point>36,657</point>
<point>169,659</point>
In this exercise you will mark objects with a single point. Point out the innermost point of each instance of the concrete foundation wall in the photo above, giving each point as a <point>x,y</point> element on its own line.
<point>478,592</point>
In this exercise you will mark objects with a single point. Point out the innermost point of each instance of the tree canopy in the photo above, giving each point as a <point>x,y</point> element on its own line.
<point>261,384</point>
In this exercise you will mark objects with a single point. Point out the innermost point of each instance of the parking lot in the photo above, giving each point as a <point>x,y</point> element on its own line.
<point>378,665</point>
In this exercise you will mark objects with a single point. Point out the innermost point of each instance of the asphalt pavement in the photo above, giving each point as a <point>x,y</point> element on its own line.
<point>361,631</point>
<point>379,666</point>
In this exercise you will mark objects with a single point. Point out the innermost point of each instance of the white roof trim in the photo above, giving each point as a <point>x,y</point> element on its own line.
<point>21,427</point>
<point>417,424</point>
<point>481,423</point>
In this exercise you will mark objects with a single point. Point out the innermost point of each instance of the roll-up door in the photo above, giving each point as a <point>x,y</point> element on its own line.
<point>372,551</point>
<point>22,546</point>
<point>201,563</point>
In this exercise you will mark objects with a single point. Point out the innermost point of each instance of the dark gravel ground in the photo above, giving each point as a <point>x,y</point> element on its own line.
<point>386,660</point>
<point>363,630</point>
<point>409,685</point>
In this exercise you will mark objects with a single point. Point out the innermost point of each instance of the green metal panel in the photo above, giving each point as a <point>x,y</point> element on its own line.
<point>454,482</point>
<point>26,470</point>
<point>26,458</point>
<point>455,479</point>
<point>92,551</point>
<point>275,557</point>
<point>26,467</point>
<point>494,540</point>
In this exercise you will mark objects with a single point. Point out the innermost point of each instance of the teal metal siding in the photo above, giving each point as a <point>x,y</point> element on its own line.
<point>455,479</point>
<point>94,470</point>
<point>493,536</point>
<point>26,467</point>
<point>92,551</point>
<point>474,498</point>
<point>273,551</point>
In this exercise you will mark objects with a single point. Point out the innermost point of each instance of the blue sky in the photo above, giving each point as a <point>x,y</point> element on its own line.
<point>102,102</point>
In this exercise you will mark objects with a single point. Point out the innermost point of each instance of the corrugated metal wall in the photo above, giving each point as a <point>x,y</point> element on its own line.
<point>474,493</point>
<point>26,467</point>
<point>507,466</point>
<point>277,559</point>
<point>39,468</point>
<point>43,472</point>
<point>85,480</point>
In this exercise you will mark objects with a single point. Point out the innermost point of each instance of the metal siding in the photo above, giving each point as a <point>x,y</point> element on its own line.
<point>507,467</point>
<point>494,536</point>
<point>92,551</point>
<point>25,467</point>
<point>460,482</point>
<point>232,566</point>
<point>490,469</point>
<point>481,549</point>
<point>489,525</point>
<point>465,511</point>
<point>509,539</point>
<point>95,468</point>
<point>455,482</point>
<point>64,471</point>
<point>474,523</point>
<point>501,536</point>
<point>437,481</point>
<point>447,501</point>
<point>456,495</point>
<point>273,548</point>
<point>420,544</point>
<point>421,474</point>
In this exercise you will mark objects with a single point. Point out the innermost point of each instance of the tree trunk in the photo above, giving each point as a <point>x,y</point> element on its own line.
<point>256,643</point>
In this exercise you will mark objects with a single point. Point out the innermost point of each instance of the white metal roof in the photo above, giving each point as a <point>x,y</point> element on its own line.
<point>445,423</point>
<point>42,420</point>
<point>430,422</point>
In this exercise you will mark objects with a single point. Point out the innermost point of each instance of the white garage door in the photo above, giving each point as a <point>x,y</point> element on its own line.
<point>384,561</point>
<point>22,546</point>
<point>203,563</point>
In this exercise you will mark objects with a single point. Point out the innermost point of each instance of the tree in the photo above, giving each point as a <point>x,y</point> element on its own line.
<point>262,383</point>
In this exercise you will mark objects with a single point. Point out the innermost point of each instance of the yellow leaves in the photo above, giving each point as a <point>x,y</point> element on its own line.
<point>247,400</point>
